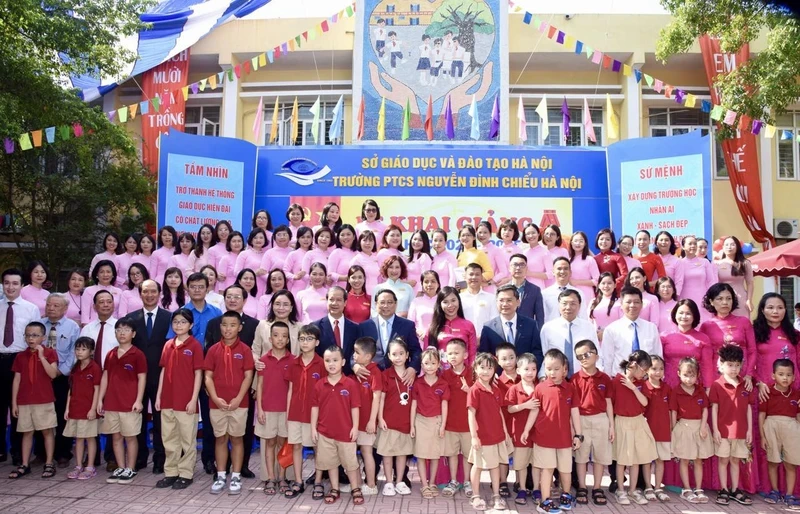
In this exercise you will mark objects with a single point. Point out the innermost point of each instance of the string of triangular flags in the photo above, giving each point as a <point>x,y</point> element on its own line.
<point>716,112</point>
<point>34,138</point>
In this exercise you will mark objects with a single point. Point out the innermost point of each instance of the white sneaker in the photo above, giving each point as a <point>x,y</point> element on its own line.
<point>388,489</point>
<point>218,486</point>
<point>115,476</point>
<point>235,486</point>
<point>369,491</point>
<point>402,488</point>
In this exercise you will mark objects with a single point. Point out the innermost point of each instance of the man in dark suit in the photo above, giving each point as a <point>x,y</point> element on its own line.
<point>386,326</point>
<point>235,297</point>
<point>511,327</point>
<point>335,329</point>
<point>152,326</point>
<point>530,295</point>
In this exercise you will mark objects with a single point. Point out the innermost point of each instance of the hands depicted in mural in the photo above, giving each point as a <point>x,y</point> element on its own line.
<point>460,96</point>
<point>397,92</point>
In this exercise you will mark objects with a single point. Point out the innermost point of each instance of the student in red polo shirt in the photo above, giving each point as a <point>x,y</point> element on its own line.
<point>394,420</point>
<point>597,421</point>
<point>335,409</point>
<point>181,364</point>
<point>557,429</point>
<point>120,401</point>
<point>370,388</point>
<point>634,444</point>
<point>491,444</point>
<point>229,372</point>
<point>429,409</point>
<point>304,372</point>
<point>457,439</point>
<point>691,441</point>
<point>81,411</point>
<point>271,400</point>
<point>657,415</point>
<point>32,398</point>
<point>777,421</point>
<point>506,355</point>
<point>520,402</point>
<point>732,423</point>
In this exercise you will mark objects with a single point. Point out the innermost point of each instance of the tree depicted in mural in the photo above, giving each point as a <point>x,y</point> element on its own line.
<point>464,18</point>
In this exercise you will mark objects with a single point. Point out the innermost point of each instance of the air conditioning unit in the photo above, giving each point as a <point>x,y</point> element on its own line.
<point>786,228</point>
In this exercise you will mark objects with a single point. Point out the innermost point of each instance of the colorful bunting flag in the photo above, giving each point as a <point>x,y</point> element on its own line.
<point>253,63</point>
<point>587,122</point>
<point>185,91</point>
<point>37,138</point>
<point>406,121</point>
<point>77,129</point>
<point>626,70</point>
<point>122,114</point>
<point>50,134</point>
<point>551,32</point>
<point>522,123</point>
<point>560,38</point>
<point>769,133</point>
<point>611,119</point>
<point>324,26</point>
<point>111,115</point>
<point>717,112</point>
<point>25,142</point>
<point>649,80</point>
<point>527,18</point>
<point>156,100</point>
<point>638,74</point>
<point>133,108</point>
<point>597,57</point>
<point>271,56</point>
<point>730,117</point>
<point>429,119</point>
<point>474,132</point>
<point>606,61</point>
<point>705,106</point>
<point>494,128</point>
<point>757,124</point>
<point>262,59</point>
<point>260,119</point>
<point>212,81</point>
<point>615,66</point>
<point>578,47</point>
<point>691,100</point>
<point>9,144</point>
<point>659,86</point>
<point>786,135</point>
<point>449,126</point>
<point>64,131</point>
<point>144,107</point>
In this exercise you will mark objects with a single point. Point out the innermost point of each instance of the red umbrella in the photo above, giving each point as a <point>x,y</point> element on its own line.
<point>781,261</point>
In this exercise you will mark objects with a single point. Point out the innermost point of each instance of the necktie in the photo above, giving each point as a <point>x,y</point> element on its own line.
<point>8,332</point>
<point>562,288</point>
<point>521,291</point>
<point>149,324</point>
<point>52,337</point>
<point>635,345</point>
<point>336,335</point>
<point>569,352</point>
<point>510,332</point>
<point>98,345</point>
<point>384,333</point>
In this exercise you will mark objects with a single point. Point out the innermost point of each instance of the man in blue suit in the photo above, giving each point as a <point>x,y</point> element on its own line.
<point>511,327</point>
<point>530,295</point>
<point>335,329</point>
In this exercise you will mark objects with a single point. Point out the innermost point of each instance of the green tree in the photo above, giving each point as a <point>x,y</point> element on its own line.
<point>764,86</point>
<point>63,195</point>
<point>464,18</point>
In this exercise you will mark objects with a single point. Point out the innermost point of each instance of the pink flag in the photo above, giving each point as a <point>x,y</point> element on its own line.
<point>587,122</point>
<point>522,131</point>
<point>730,117</point>
<point>258,121</point>
<point>597,57</point>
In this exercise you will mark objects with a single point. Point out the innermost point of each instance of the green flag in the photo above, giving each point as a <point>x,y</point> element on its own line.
<point>406,120</point>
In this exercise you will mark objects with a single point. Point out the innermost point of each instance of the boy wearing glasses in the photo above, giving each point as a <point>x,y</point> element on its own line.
<point>597,420</point>
<point>120,400</point>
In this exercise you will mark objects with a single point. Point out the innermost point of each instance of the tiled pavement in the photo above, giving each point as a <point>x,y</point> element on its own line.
<point>32,494</point>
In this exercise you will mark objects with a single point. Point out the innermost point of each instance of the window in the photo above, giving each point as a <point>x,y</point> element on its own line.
<point>674,122</point>
<point>304,128</point>
<point>202,120</point>
<point>577,131</point>
<point>787,148</point>
<point>788,288</point>
<point>390,8</point>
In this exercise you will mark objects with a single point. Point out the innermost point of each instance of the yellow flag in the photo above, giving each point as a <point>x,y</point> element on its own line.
<point>273,131</point>
<point>185,90</point>
<point>770,132</point>
<point>295,121</point>
<point>382,121</point>
<point>611,119</point>
<point>626,70</point>
<point>212,81</point>
<point>691,100</point>
<point>541,110</point>
<point>262,59</point>
<point>133,108</point>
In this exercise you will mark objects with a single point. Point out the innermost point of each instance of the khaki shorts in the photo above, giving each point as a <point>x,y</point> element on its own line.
<point>489,457</point>
<point>365,439</point>
<point>552,458</point>
<point>595,441</point>
<point>633,441</point>
<point>783,439</point>
<point>127,424</point>
<point>687,443</point>
<point>391,443</point>
<point>427,443</point>
<point>81,428</point>
<point>330,454</point>
<point>232,423</point>
<point>300,433</point>
<point>39,416</point>
<point>457,442</point>
<point>736,448</point>
<point>522,457</point>
<point>274,427</point>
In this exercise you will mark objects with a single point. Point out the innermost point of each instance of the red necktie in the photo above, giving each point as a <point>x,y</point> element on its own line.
<point>336,335</point>
<point>8,332</point>
<point>98,345</point>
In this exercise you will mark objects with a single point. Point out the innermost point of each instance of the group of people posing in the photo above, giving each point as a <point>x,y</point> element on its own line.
<point>531,351</point>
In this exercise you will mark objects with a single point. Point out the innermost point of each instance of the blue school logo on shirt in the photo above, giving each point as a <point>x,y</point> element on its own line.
<point>238,356</point>
<point>700,401</point>
<point>601,387</point>
<point>666,399</point>
<point>793,403</point>
<point>569,400</point>
<point>745,394</point>
<point>344,392</point>
<point>366,385</point>
<point>438,392</point>
<point>89,377</point>
<point>128,367</point>
<point>188,353</point>
<point>315,376</point>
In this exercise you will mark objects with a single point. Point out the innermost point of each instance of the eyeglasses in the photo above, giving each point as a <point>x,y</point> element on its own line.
<point>517,264</point>
<point>180,322</point>
<point>232,297</point>
<point>370,209</point>
<point>306,339</point>
<point>122,330</point>
<point>585,355</point>
<point>197,287</point>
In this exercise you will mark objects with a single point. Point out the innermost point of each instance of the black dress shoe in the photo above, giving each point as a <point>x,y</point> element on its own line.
<point>210,468</point>
<point>612,487</point>
<point>111,465</point>
<point>166,482</point>
<point>158,469</point>
<point>3,457</point>
<point>182,483</point>
<point>246,473</point>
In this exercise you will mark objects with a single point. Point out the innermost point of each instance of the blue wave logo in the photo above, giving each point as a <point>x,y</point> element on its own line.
<point>303,171</point>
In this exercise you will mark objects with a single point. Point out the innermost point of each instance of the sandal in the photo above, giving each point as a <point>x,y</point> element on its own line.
<point>295,490</point>
<point>477,503</point>
<point>427,493</point>
<point>358,496</point>
<point>650,495</point>
<point>467,488</point>
<point>283,486</point>
<point>332,496</point>
<point>723,498</point>
<point>75,473</point>
<point>792,502</point>
<point>269,488</point>
<point>87,473</point>
<point>701,496</point>
<point>505,492</point>
<point>599,497</point>
<point>20,472</point>
<point>522,497</point>
<point>582,496</point>
<point>689,496</point>
<point>450,489</point>
<point>499,502</point>
<point>772,497</point>
<point>50,471</point>
<point>739,497</point>
<point>318,492</point>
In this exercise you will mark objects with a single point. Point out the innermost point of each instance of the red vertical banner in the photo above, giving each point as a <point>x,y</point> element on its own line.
<point>165,82</point>
<point>740,152</point>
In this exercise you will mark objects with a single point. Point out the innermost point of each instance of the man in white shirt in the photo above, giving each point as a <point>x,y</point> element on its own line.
<point>102,329</point>
<point>562,273</point>
<point>15,314</point>
<point>479,306</point>
<point>627,334</point>
<point>564,332</point>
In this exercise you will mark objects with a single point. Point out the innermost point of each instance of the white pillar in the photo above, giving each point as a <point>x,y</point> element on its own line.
<point>633,107</point>
<point>230,105</point>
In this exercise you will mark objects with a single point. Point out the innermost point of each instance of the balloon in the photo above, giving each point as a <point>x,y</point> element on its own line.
<point>718,244</point>
<point>747,248</point>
